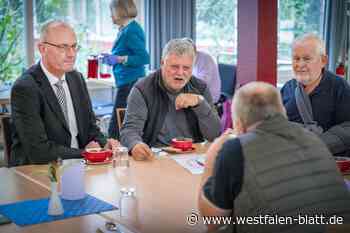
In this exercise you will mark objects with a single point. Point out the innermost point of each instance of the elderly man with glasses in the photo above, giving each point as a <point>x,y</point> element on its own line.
<point>51,109</point>
<point>317,98</point>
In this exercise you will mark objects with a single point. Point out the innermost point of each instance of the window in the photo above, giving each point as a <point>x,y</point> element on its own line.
<point>295,17</point>
<point>90,19</point>
<point>11,37</point>
<point>216,28</point>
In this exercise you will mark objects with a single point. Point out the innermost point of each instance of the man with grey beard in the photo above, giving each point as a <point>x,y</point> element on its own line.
<point>317,98</point>
<point>169,103</point>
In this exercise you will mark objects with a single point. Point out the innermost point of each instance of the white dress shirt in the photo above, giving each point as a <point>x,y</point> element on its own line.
<point>73,129</point>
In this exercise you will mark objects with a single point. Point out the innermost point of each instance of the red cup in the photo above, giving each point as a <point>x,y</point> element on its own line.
<point>105,75</point>
<point>92,67</point>
<point>182,143</point>
<point>94,156</point>
<point>343,163</point>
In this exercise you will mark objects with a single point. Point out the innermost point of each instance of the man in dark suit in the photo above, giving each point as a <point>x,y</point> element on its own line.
<point>51,108</point>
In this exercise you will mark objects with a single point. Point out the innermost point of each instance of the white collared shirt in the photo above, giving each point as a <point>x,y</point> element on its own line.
<point>73,129</point>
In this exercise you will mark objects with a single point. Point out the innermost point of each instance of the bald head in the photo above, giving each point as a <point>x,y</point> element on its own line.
<point>50,27</point>
<point>256,101</point>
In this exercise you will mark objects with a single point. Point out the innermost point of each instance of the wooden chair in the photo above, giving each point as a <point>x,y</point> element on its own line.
<point>120,116</point>
<point>6,129</point>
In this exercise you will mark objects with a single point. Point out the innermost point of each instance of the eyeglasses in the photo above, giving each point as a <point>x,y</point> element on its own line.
<point>64,47</point>
<point>306,60</point>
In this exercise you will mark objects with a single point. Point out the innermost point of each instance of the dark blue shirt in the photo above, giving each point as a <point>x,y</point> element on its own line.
<point>330,101</point>
<point>225,184</point>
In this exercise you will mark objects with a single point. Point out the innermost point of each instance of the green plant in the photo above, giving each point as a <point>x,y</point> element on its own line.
<point>215,20</point>
<point>59,9</point>
<point>53,171</point>
<point>304,13</point>
<point>11,57</point>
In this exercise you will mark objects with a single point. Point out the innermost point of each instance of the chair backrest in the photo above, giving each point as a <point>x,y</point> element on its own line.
<point>7,137</point>
<point>228,79</point>
<point>120,116</point>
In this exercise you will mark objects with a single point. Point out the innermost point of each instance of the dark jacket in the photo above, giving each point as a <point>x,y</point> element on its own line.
<point>330,106</point>
<point>41,132</point>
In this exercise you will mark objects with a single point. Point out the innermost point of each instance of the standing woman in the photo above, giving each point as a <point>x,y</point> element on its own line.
<point>129,55</point>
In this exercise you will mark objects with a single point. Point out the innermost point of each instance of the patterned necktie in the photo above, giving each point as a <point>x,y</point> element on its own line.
<point>61,97</point>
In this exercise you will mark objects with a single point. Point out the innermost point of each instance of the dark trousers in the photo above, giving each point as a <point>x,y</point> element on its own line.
<point>120,102</point>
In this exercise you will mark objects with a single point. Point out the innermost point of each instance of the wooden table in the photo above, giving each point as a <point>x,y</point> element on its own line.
<point>166,194</point>
<point>14,187</point>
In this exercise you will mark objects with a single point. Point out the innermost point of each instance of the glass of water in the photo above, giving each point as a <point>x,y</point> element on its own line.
<point>123,157</point>
<point>127,195</point>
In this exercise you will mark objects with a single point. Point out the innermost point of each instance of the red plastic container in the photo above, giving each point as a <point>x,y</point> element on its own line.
<point>343,164</point>
<point>105,75</point>
<point>92,67</point>
<point>182,143</point>
<point>97,156</point>
<point>340,70</point>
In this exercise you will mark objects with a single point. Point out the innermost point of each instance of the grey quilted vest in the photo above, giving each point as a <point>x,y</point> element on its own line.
<point>288,171</point>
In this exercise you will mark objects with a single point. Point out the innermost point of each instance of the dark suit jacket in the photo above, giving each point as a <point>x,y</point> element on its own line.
<point>41,132</point>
